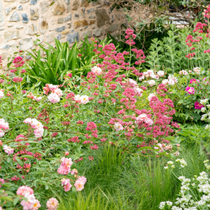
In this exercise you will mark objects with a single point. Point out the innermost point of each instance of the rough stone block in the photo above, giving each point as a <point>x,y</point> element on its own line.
<point>43,26</point>
<point>20,7</point>
<point>84,3</point>
<point>59,8</point>
<point>80,23</point>
<point>7,10</point>
<point>34,14</point>
<point>76,4</point>
<point>24,18</point>
<point>60,29</point>
<point>112,28</point>
<point>26,44</point>
<point>31,29</point>
<point>44,6</point>
<point>33,2</point>
<point>10,35</point>
<point>72,37</point>
<point>15,17</point>
<point>97,32</point>
<point>102,17</point>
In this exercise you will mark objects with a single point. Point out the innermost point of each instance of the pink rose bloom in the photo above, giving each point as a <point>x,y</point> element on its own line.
<point>138,91</point>
<point>67,162</point>
<point>149,121</point>
<point>77,98</point>
<point>4,125</point>
<point>23,190</point>
<point>79,184</point>
<point>36,205</point>
<point>65,166</point>
<point>84,99</point>
<point>66,184</point>
<point>118,126</point>
<point>53,98</point>
<point>38,132</point>
<point>74,171</point>
<point>141,118</point>
<point>63,170</point>
<point>52,87</point>
<point>96,70</point>
<point>83,179</point>
<point>8,150</point>
<point>198,105</point>
<point>190,90</point>
<point>52,204</point>
<point>37,98</point>
<point>58,91</point>
<point>31,204</point>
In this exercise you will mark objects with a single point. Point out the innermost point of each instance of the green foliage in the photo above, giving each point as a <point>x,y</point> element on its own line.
<point>52,67</point>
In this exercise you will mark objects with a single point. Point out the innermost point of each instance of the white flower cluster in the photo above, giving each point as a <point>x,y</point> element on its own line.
<point>206,111</point>
<point>169,164</point>
<point>150,74</point>
<point>81,99</point>
<point>163,204</point>
<point>182,162</point>
<point>183,72</point>
<point>188,199</point>
<point>206,164</point>
<point>197,70</point>
<point>172,80</point>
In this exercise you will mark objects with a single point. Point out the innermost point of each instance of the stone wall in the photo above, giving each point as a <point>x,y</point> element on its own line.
<point>67,20</point>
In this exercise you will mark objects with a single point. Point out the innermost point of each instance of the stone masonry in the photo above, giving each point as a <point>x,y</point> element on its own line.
<point>24,21</point>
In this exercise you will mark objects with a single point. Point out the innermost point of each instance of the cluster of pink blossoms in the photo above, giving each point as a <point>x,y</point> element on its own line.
<point>55,92</point>
<point>207,12</point>
<point>199,27</point>
<point>18,61</point>
<point>91,126</point>
<point>65,169</point>
<point>130,36</point>
<point>17,79</point>
<point>32,203</point>
<point>38,127</point>
<point>3,126</point>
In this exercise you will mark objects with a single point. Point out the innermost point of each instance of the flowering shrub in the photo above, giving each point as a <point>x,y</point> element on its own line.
<point>43,133</point>
<point>191,87</point>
